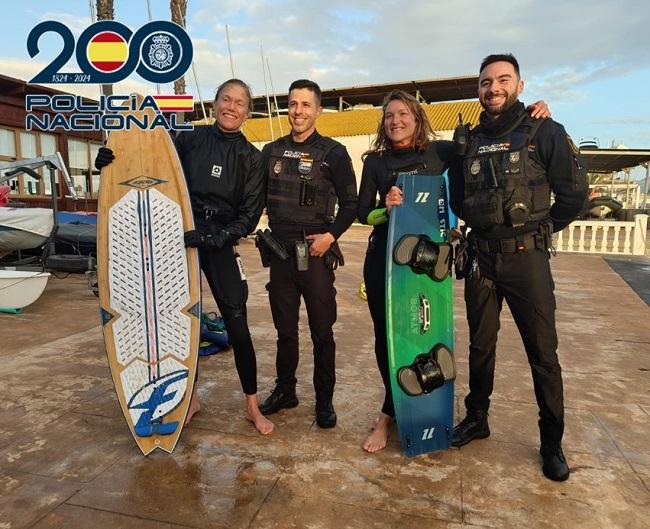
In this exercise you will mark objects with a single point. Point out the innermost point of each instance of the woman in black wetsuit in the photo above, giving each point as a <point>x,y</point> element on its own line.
<point>225,180</point>
<point>404,144</point>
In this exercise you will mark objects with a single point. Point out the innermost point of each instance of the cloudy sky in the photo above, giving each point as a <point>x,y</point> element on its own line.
<point>589,60</point>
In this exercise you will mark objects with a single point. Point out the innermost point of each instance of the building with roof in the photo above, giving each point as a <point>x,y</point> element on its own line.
<point>351,115</point>
<point>78,149</point>
<point>609,173</point>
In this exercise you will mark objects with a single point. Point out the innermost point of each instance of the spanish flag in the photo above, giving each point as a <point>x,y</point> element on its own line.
<point>107,51</point>
<point>175,103</point>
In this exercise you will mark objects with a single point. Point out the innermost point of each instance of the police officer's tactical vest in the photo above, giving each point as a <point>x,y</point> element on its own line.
<point>299,187</point>
<point>504,185</point>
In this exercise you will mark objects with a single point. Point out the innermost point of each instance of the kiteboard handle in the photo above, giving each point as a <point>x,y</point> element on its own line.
<point>425,314</point>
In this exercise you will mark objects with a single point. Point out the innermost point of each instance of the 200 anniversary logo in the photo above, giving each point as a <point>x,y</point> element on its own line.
<point>108,52</point>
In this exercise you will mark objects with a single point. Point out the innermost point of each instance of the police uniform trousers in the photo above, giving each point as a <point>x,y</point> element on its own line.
<point>374,276</point>
<point>316,286</point>
<point>230,292</point>
<point>524,280</point>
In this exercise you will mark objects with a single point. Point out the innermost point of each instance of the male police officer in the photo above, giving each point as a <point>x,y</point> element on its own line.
<point>501,189</point>
<point>306,174</point>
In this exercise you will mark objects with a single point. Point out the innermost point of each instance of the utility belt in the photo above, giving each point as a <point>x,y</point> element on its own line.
<point>467,263</point>
<point>298,251</point>
<point>542,239</point>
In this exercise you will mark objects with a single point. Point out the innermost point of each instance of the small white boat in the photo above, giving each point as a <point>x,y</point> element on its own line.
<point>19,289</point>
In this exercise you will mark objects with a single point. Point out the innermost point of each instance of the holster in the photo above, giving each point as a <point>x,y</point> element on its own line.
<point>334,257</point>
<point>265,253</point>
<point>462,255</point>
<point>268,247</point>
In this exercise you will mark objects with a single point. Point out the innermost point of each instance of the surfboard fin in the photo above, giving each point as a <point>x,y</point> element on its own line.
<point>156,428</point>
<point>424,256</point>
<point>428,372</point>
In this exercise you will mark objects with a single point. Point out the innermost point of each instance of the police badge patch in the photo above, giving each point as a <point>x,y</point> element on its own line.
<point>277,167</point>
<point>305,165</point>
<point>160,52</point>
<point>513,157</point>
<point>475,168</point>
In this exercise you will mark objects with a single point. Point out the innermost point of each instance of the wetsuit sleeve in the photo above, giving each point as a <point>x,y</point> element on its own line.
<point>567,174</point>
<point>378,216</point>
<point>345,186</point>
<point>368,189</point>
<point>252,200</point>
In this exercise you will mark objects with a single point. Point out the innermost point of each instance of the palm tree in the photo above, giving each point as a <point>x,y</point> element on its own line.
<point>179,14</point>
<point>105,11</point>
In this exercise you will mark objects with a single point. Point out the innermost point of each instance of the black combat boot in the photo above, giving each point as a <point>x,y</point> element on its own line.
<point>325,414</point>
<point>554,463</point>
<point>278,399</point>
<point>473,426</point>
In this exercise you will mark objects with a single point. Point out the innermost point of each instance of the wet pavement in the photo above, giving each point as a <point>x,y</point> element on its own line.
<point>67,459</point>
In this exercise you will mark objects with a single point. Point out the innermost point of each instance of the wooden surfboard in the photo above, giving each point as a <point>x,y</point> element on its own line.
<point>149,290</point>
<point>419,316</point>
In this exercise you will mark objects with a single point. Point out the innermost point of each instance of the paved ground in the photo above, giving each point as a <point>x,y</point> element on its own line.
<point>67,459</point>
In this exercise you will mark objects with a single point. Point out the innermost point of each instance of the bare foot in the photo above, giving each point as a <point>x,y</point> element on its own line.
<point>378,438</point>
<point>254,415</point>
<point>195,407</point>
<point>374,423</point>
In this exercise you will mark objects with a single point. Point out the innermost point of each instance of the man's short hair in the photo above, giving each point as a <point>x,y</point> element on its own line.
<point>500,57</point>
<point>309,85</point>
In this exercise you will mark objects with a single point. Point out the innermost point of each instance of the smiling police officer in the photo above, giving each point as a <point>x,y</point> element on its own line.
<point>306,175</point>
<point>501,188</point>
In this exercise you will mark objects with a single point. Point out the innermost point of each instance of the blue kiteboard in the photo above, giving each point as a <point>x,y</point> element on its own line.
<point>419,314</point>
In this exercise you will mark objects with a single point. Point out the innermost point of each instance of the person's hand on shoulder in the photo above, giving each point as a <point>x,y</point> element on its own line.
<point>539,110</point>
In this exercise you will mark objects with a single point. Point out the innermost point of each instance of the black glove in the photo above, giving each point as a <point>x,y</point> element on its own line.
<point>201,239</point>
<point>104,157</point>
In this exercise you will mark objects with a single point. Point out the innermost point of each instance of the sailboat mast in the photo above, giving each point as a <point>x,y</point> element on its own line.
<point>232,67</point>
<point>266,89</point>
<point>275,99</point>
<point>150,19</point>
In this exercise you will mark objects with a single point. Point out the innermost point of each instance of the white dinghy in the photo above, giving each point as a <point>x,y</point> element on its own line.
<point>19,289</point>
